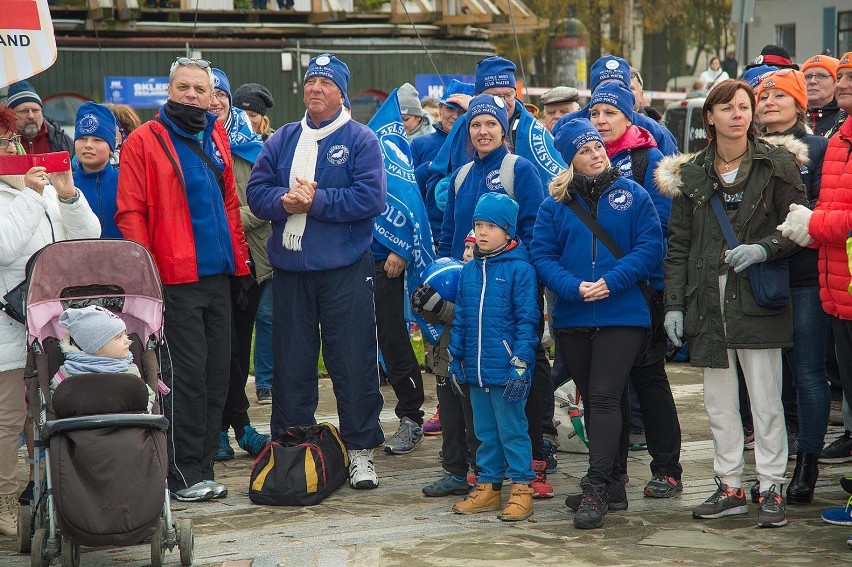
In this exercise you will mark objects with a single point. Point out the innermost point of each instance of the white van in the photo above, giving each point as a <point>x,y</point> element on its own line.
<point>683,119</point>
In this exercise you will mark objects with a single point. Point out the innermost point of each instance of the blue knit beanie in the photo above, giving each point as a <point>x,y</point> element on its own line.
<point>497,208</point>
<point>330,67</point>
<point>494,72</point>
<point>755,74</point>
<point>455,87</point>
<point>609,68</point>
<point>489,104</point>
<point>221,82</point>
<point>95,120</point>
<point>614,94</point>
<point>572,135</point>
<point>22,92</point>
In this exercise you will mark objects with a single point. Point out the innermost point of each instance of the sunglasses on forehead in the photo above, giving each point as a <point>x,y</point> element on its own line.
<point>203,63</point>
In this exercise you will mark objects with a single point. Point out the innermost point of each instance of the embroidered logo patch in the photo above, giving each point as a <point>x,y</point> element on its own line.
<point>338,155</point>
<point>323,60</point>
<point>492,181</point>
<point>620,199</point>
<point>88,124</point>
<point>216,81</point>
<point>612,64</point>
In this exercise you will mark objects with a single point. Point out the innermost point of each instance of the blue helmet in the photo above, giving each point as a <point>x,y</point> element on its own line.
<point>444,274</point>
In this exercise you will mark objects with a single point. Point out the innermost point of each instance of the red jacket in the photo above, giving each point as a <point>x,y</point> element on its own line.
<point>152,205</point>
<point>831,224</point>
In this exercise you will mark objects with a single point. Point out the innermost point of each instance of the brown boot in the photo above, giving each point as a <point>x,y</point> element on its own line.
<point>483,499</point>
<point>9,514</point>
<point>520,505</point>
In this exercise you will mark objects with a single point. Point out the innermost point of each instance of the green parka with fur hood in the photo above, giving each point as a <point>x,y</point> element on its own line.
<point>696,247</point>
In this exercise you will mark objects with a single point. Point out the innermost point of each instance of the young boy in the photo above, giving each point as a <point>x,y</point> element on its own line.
<point>492,350</point>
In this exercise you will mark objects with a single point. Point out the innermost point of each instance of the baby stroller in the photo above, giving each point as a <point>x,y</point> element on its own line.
<point>104,457</point>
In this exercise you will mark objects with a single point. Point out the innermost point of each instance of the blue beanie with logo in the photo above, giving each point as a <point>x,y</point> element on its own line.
<point>95,120</point>
<point>330,67</point>
<point>609,68</point>
<point>489,104</point>
<point>497,208</point>
<point>494,72</point>
<point>455,87</point>
<point>572,135</point>
<point>754,75</point>
<point>614,94</point>
<point>221,82</point>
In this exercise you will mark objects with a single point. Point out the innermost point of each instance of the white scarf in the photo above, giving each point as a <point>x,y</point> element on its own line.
<point>304,165</point>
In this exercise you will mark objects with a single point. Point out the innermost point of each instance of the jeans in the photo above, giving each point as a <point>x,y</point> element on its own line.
<point>263,358</point>
<point>807,365</point>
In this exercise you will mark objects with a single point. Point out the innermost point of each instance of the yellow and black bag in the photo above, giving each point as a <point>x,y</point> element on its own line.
<point>300,467</point>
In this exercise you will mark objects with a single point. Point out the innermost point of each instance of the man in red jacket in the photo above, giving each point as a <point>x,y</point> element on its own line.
<point>177,197</point>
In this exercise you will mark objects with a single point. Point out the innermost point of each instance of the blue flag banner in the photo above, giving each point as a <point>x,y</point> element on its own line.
<point>403,227</point>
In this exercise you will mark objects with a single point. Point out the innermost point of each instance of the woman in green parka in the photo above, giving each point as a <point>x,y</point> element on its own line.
<point>709,297</point>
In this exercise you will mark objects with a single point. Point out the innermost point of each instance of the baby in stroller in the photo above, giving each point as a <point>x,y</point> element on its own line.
<point>97,343</point>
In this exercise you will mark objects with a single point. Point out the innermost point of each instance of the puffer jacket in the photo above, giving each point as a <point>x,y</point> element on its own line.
<point>24,230</point>
<point>831,223</point>
<point>496,316</point>
<point>696,245</point>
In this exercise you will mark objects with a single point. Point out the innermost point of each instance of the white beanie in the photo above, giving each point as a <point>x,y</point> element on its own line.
<point>409,100</point>
<point>91,327</point>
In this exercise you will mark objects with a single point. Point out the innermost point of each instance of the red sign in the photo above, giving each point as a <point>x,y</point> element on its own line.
<point>19,15</point>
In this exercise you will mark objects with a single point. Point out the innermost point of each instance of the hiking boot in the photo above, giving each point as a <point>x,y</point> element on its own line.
<point>264,396</point>
<point>845,483</point>
<point>792,445</point>
<point>219,489</point>
<point>433,426</point>
<point>253,442</point>
<point>593,506</point>
<point>541,488</point>
<point>9,514</point>
<point>519,506</point>
<point>771,512</point>
<point>662,486</point>
<point>226,452</point>
<point>637,441</point>
<point>26,497</point>
<point>839,451</point>
<point>726,501</point>
<point>548,448</point>
<point>616,497</point>
<point>484,498</point>
<point>362,473</point>
<point>841,516</point>
<point>748,438</point>
<point>195,493</point>
<point>407,436</point>
<point>447,485</point>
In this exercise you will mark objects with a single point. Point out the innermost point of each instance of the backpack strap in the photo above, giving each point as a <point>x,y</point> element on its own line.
<point>462,174</point>
<point>507,174</point>
<point>639,164</point>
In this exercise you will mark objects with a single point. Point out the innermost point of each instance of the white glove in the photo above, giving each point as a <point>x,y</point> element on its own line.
<point>673,324</point>
<point>795,226</point>
<point>744,256</point>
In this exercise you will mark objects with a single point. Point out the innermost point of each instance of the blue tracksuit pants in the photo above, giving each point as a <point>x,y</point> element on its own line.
<point>501,428</point>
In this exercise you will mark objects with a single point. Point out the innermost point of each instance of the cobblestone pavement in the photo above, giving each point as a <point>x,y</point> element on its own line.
<point>396,525</point>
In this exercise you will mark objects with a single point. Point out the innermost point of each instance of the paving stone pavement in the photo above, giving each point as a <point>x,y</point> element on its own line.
<point>396,525</point>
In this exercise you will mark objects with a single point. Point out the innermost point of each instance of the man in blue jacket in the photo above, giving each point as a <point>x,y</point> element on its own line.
<point>321,183</point>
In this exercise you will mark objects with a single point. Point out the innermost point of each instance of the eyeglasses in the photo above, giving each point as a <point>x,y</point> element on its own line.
<point>508,97</point>
<point>221,95</point>
<point>817,76</point>
<point>22,112</point>
<point>202,63</point>
<point>4,142</point>
<point>638,77</point>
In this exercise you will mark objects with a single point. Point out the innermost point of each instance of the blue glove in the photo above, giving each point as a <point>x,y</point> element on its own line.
<point>456,377</point>
<point>518,383</point>
<point>744,256</point>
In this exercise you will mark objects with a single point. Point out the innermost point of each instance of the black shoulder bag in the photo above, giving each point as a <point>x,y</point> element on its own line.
<point>654,347</point>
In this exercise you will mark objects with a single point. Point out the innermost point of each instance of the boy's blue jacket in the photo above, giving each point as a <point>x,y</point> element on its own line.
<point>483,177</point>
<point>100,188</point>
<point>496,316</point>
<point>351,191</point>
<point>565,253</point>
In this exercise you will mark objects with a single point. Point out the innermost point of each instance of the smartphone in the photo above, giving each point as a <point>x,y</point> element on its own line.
<point>20,165</point>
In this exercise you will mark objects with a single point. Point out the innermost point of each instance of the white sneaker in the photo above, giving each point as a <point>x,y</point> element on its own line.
<point>362,473</point>
<point>9,515</point>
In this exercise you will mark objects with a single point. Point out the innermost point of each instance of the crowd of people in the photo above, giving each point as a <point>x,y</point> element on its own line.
<point>588,219</point>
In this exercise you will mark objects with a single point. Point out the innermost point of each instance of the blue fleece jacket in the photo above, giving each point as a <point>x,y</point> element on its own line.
<point>213,248</point>
<point>100,188</point>
<point>484,176</point>
<point>565,253</point>
<point>496,315</point>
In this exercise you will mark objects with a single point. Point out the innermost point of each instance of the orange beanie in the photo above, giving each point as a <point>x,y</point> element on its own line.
<point>790,81</point>
<point>845,61</point>
<point>824,62</point>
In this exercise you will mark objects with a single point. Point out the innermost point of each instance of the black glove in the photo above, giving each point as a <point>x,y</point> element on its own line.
<point>245,284</point>
<point>426,299</point>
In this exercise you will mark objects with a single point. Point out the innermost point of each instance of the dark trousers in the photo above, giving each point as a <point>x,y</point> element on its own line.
<point>235,414</point>
<point>541,390</point>
<point>403,370</point>
<point>842,331</point>
<point>338,305</point>
<point>198,329</point>
<point>599,360</point>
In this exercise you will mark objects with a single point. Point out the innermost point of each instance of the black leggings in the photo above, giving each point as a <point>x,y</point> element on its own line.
<point>599,360</point>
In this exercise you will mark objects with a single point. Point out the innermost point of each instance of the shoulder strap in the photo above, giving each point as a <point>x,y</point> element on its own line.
<point>596,228</point>
<point>171,158</point>
<point>507,174</point>
<point>463,171</point>
<point>727,229</point>
<point>196,149</point>
<point>639,164</point>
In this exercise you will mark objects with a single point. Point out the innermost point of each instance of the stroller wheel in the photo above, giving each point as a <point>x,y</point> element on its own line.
<point>25,528</point>
<point>39,556</point>
<point>158,548</point>
<point>70,553</point>
<point>186,541</point>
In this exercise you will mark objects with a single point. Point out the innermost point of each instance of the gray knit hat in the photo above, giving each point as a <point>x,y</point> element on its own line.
<point>253,97</point>
<point>91,327</point>
<point>409,100</point>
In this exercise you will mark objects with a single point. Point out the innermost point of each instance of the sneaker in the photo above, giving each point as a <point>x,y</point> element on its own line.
<point>253,442</point>
<point>845,483</point>
<point>219,489</point>
<point>593,506</point>
<point>841,516</point>
<point>8,515</point>
<point>662,486</point>
<point>724,502</point>
<point>447,485</point>
<point>637,440</point>
<point>748,438</point>
<point>471,478</point>
<point>362,473</point>
<point>264,396</point>
<point>792,445</point>
<point>198,492</point>
<point>548,448</point>
<point>433,426</point>
<point>771,513</point>
<point>541,487</point>
<point>407,436</point>
<point>226,452</point>
<point>26,497</point>
<point>616,497</point>
<point>839,451</point>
